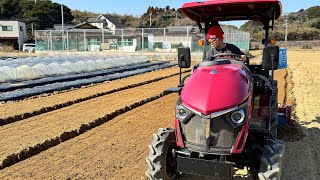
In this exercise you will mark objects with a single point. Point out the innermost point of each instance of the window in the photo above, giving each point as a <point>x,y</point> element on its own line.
<point>21,28</point>
<point>6,28</point>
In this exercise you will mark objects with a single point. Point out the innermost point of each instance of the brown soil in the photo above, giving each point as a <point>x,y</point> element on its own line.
<point>280,76</point>
<point>117,148</point>
<point>27,107</point>
<point>114,150</point>
<point>302,155</point>
<point>39,129</point>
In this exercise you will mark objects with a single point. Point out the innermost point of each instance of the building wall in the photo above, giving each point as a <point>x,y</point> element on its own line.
<point>98,25</point>
<point>174,38</point>
<point>22,34</point>
<point>15,33</point>
<point>15,29</point>
<point>110,25</point>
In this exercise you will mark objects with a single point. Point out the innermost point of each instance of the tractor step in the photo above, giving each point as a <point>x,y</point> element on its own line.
<point>223,170</point>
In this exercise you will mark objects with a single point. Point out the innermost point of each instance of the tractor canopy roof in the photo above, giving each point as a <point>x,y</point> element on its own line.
<point>226,10</point>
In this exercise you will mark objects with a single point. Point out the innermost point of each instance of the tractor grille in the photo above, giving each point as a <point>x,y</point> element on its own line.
<point>219,140</point>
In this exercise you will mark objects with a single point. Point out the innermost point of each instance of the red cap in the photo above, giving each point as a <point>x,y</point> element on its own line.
<point>215,32</point>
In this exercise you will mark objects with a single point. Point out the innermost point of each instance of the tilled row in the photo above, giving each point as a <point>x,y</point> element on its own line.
<point>114,150</point>
<point>26,138</point>
<point>281,76</point>
<point>25,109</point>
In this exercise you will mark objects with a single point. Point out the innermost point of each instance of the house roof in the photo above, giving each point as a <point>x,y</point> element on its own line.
<point>112,19</point>
<point>94,20</point>
<point>12,20</point>
<point>65,26</point>
<point>85,25</point>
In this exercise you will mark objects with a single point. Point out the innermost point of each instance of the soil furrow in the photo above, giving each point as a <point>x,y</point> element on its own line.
<point>280,76</point>
<point>40,132</point>
<point>114,150</point>
<point>35,107</point>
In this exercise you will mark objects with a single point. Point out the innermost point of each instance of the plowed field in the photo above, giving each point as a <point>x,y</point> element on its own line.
<point>103,131</point>
<point>302,155</point>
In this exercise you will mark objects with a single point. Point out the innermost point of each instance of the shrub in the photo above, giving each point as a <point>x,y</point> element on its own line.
<point>6,48</point>
<point>306,46</point>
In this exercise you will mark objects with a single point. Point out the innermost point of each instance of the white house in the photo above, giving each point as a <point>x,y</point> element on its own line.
<point>106,22</point>
<point>13,33</point>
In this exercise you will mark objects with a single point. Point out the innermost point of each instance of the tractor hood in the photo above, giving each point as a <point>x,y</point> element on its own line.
<point>226,10</point>
<point>215,88</point>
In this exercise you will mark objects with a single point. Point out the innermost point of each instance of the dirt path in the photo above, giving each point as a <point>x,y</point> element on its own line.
<point>302,157</point>
<point>45,130</point>
<point>114,150</point>
<point>30,107</point>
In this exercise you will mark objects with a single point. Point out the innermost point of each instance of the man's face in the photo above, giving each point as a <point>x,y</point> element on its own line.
<point>214,42</point>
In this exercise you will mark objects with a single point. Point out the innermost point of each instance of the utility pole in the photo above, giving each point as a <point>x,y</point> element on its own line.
<point>32,29</point>
<point>286,37</point>
<point>150,18</point>
<point>62,19</point>
<point>35,1</point>
<point>62,26</point>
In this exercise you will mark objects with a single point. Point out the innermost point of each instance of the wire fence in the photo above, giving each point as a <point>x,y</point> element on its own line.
<point>132,40</point>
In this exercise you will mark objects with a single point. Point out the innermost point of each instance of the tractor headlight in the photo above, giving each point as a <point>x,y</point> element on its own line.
<point>182,113</point>
<point>238,116</point>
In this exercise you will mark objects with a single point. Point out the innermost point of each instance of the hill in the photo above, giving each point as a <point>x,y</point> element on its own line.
<point>302,25</point>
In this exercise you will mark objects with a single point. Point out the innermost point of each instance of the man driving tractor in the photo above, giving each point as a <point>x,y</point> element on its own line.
<point>215,39</point>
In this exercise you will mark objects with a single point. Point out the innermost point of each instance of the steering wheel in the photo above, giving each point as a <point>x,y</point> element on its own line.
<point>235,56</point>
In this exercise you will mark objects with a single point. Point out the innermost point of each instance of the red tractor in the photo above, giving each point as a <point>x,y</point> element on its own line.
<point>226,115</point>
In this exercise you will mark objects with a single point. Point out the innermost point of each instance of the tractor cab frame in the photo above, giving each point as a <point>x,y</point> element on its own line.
<point>226,115</point>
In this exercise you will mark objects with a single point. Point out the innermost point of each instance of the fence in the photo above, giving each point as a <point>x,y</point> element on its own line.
<point>131,40</point>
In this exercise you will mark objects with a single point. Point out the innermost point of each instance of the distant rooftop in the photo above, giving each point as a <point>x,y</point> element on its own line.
<point>114,20</point>
<point>94,20</point>
<point>11,20</point>
<point>65,26</point>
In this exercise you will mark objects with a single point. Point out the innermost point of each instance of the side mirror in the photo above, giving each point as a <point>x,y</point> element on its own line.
<point>270,57</point>
<point>184,58</point>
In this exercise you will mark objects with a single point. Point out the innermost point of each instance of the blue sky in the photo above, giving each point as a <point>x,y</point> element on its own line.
<point>138,7</point>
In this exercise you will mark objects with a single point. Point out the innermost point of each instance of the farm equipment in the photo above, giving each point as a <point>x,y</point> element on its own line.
<point>226,115</point>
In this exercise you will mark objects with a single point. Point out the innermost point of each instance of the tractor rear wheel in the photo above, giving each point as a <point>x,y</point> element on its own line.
<point>162,163</point>
<point>271,160</point>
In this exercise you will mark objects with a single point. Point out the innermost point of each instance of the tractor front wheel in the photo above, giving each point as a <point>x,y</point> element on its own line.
<point>162,163</point>
<point>271,160</point>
